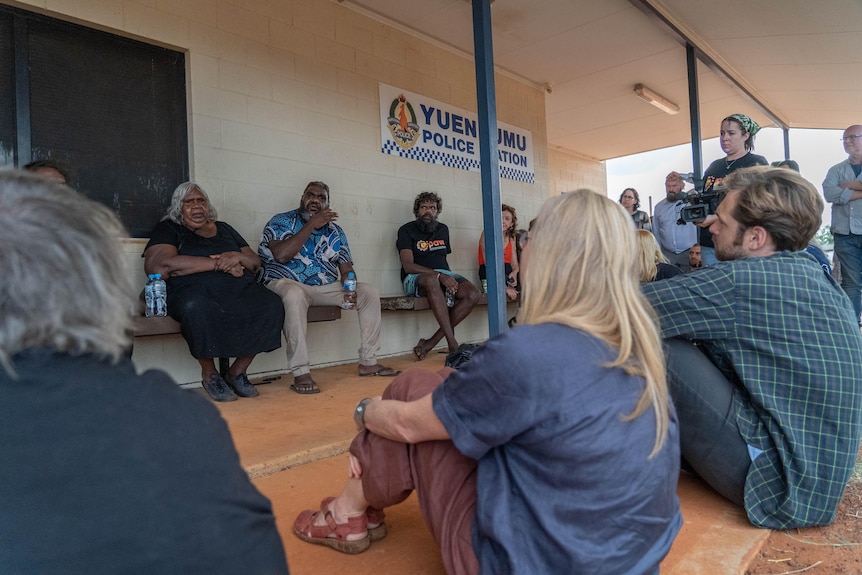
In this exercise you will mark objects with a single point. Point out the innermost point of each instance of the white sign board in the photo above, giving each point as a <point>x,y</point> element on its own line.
<point>416,127</point>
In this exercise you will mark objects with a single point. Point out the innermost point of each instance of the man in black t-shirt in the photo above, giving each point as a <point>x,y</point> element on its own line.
<point>422,246</point>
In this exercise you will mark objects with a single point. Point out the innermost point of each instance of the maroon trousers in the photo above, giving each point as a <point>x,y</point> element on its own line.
<point>444,479</point>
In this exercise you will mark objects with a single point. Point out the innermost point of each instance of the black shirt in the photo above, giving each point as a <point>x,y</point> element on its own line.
<point>106,471</point>
<point>429,249</point>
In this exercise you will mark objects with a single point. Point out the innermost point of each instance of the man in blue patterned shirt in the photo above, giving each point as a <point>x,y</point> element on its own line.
<point>304,252</point>
<point>766,367</point>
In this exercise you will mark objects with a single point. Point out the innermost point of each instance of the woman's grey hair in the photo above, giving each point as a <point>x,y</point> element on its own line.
<point>64,285</point>
<point>175,212</point>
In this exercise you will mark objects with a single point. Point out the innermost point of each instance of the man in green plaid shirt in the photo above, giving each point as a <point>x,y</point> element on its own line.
<point>765,357</point>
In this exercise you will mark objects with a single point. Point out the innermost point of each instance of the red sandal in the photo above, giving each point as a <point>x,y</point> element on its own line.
<point>332,534</point>
<point>376,526</point>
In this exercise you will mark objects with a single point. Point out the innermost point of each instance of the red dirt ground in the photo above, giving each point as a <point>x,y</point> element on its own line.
<point>833,550</point>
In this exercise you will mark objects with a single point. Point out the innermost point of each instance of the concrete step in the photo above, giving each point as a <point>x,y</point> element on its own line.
<point>293,446</point>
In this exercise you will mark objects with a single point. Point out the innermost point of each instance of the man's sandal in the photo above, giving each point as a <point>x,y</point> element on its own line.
<point>376,517</point>
<point>332,534</point>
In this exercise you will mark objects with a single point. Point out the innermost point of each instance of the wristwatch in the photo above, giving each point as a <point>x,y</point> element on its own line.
<point>359,413</point>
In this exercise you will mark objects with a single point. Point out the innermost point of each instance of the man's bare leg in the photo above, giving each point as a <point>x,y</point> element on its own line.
<point>466,299</point>
<point>437,301</point>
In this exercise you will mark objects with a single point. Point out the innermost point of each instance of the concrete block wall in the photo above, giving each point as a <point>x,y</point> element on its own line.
<point>568,171</point>
<point>282,93</point>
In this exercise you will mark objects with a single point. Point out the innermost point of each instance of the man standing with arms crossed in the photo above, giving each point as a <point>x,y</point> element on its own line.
<point>843,189</point>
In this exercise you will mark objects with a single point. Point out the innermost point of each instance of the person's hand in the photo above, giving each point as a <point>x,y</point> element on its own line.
<point>448,282</point>
<point>354,468</point>
<point>511,293</point>
<point>707,221</point>
<point>229,263</point>
<point>323,217</point>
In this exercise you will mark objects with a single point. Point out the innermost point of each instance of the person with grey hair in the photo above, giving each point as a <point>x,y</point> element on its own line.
<point>842,188</point>
<point>104,469</point>
<point>212,291</point>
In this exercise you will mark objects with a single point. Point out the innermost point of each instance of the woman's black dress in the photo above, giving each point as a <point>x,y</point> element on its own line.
<point>220,315</point>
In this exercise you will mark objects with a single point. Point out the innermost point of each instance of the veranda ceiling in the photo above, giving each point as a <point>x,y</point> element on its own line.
<point>799,59</point>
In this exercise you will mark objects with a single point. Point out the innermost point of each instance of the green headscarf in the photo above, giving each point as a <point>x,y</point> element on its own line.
<point>747,123</point>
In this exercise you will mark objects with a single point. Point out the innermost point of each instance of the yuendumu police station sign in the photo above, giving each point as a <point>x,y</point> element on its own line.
<point>416,127</point>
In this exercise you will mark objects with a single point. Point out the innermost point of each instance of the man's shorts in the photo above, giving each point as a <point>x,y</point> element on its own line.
<point>411,282</point>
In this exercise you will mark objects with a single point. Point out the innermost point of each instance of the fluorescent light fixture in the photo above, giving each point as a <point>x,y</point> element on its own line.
<point>656,99</point>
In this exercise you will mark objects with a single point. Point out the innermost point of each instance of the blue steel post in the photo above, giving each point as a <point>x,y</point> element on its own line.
<point>491,204</point>
<point>786,131</point>
<point>694,116</point>
<point>23,144</point>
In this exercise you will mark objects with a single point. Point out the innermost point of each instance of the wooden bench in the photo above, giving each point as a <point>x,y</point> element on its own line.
<point>149,326</point>
<point>410,303</point>
<point>145,326</point>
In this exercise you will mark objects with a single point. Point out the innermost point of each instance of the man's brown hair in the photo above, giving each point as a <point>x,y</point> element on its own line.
<point>780,201</point>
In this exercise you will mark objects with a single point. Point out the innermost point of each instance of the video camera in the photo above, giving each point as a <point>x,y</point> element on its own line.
<point>701,205</point>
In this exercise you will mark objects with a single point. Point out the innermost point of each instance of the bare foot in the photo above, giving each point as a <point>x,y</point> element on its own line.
<point>420,350</point>
<point>304,385</point>
<point>377,369</point>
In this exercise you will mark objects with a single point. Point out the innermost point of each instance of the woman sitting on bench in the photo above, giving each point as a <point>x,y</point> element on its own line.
<point>212,292</point>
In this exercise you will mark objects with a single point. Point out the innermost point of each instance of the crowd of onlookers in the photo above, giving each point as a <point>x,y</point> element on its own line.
<point>555,448</point>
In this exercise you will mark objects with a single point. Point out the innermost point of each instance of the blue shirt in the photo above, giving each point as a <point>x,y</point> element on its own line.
<point>317,261</point>
<point>670,235</point>
<point>784,333</point>
<point>564,483</point>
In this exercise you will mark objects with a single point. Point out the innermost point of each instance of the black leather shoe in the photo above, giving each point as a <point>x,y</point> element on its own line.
<point>218,389</point>
<point>241,385</point>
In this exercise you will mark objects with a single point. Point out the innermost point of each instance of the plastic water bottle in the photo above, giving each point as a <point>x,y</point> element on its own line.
<point>450,299</point>
<point>149,297</point>
<point>349,301</point>
<point>156,296</point>
<point>160,296</point>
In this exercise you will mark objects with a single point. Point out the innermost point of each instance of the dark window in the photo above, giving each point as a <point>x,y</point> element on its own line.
<point>7,92</point>
<point>110,109</point>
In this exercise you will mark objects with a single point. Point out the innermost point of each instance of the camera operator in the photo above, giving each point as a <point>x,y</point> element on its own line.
<point>673,239</point>
<point>769,397</point>
<point>737,141</point>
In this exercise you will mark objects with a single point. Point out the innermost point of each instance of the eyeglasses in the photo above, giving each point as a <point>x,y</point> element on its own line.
<point>523,239</point>
<point>850,138</point>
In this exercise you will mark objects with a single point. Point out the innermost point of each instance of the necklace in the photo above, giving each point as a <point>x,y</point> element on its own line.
<point>727,164</point>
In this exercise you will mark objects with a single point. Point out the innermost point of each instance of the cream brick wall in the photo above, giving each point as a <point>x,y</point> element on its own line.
<point>281,93</point>
<point>568,172</point>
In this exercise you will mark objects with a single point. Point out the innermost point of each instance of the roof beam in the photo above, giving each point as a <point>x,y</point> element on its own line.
<point>659,13</point>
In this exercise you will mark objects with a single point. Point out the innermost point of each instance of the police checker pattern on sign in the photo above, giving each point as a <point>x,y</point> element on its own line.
<point>420,128</point>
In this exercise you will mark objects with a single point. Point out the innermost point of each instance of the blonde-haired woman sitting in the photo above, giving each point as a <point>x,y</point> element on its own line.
<point>654,266</point>
<point>555,448</point>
